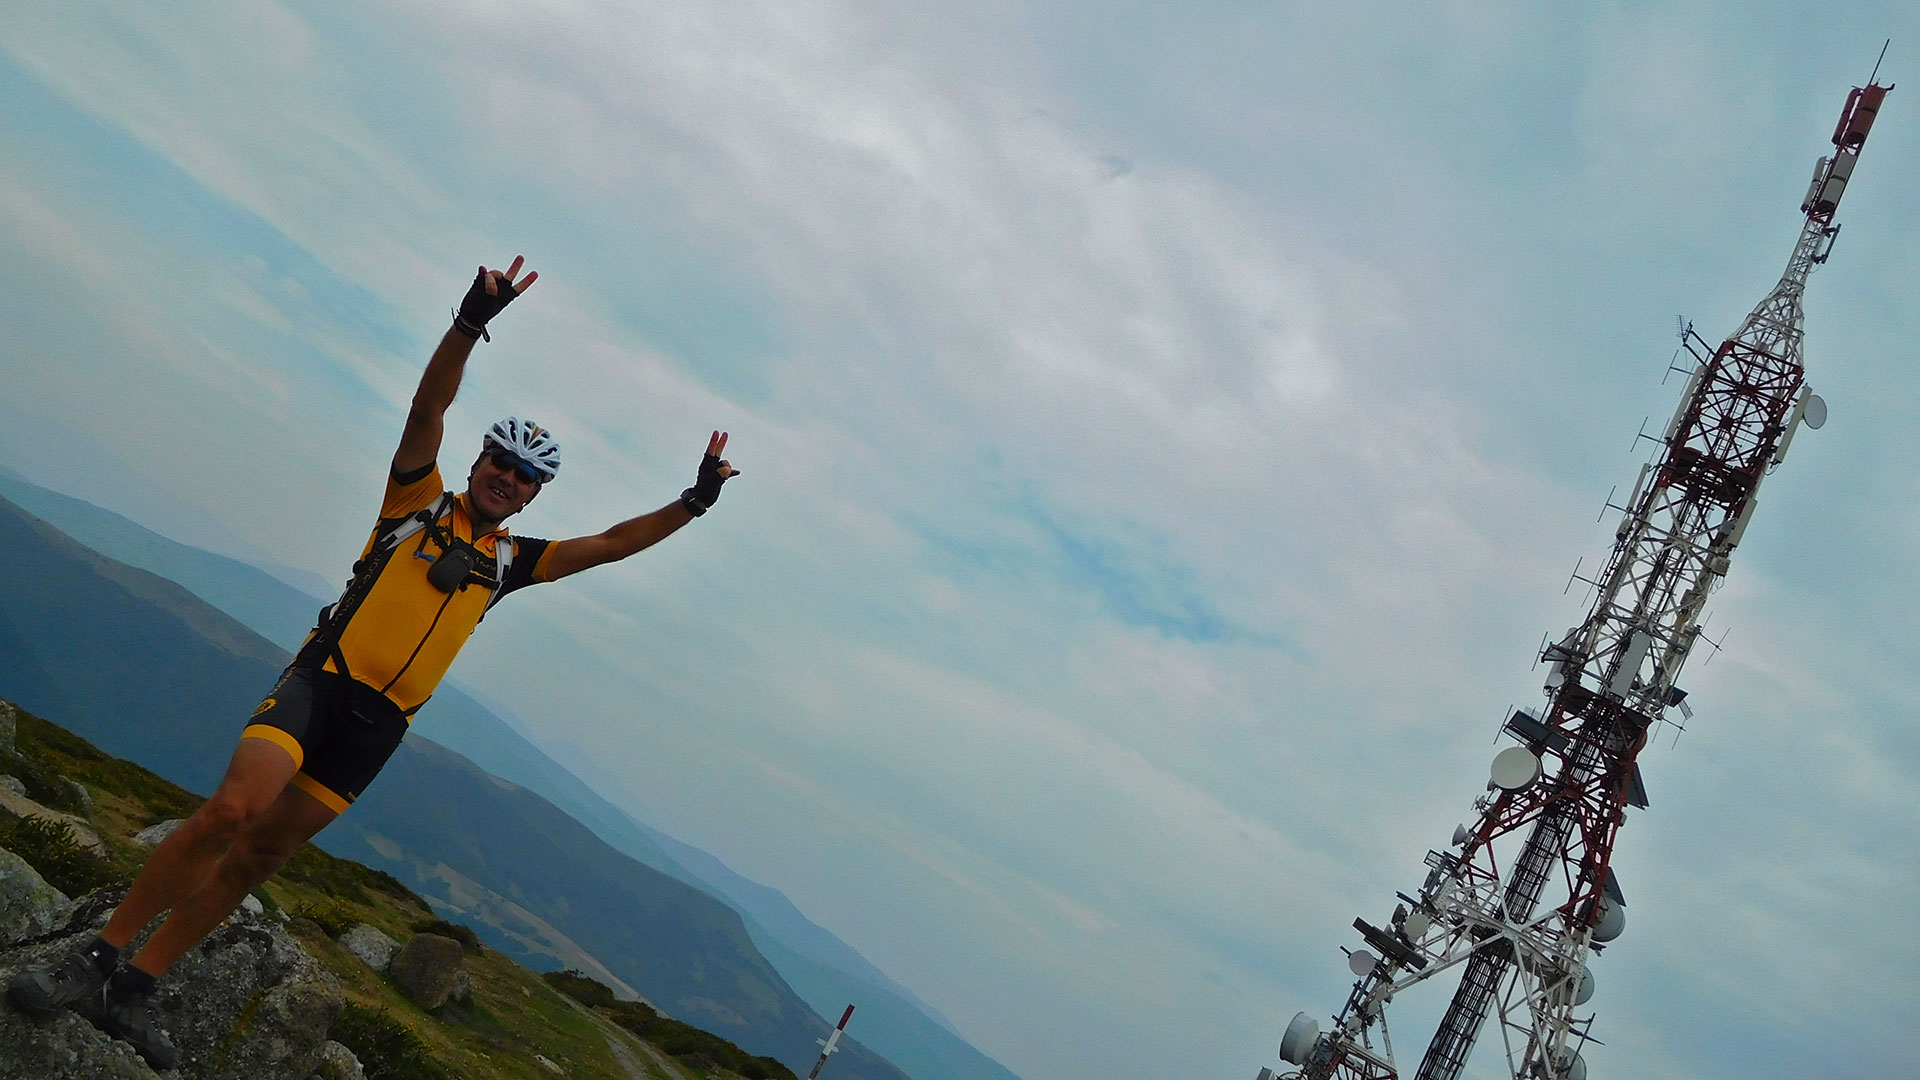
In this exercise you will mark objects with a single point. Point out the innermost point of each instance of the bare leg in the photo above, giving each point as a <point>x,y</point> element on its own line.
<point>184,860</point>
<point>264,845</point>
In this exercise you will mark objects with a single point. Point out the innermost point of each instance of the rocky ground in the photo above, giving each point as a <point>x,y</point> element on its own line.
<point>247,1004</point>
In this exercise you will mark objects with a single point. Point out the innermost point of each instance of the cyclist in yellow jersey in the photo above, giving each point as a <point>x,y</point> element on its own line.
<point>436,561</point>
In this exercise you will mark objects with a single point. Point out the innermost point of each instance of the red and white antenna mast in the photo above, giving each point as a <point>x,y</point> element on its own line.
<point>1523,896</point>
<point>831,1043</point>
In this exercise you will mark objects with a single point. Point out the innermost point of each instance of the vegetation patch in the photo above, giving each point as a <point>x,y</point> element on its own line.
<point>698,1050</point>
<point>387,1048</point>
<point>330,915</point>
<point>51,849</point>
<point>345,879</point>
<point>465,935</point>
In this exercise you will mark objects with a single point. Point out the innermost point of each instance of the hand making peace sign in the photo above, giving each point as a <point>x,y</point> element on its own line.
<point>489,294</point>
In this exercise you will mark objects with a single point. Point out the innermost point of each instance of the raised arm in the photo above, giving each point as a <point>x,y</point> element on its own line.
<point>491,291</point>
<point>637,534</point>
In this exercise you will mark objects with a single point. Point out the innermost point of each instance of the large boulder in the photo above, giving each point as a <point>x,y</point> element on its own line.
<point>370,946</point>
<point>338,1063</point>
<point>427,969</point>
<point>28,905</point>
<point>247,1003</point>
<point>153,834</point>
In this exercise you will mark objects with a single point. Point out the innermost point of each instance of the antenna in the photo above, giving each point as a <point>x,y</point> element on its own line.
<point>1876,63</point>
<point>830,1043</point>
<point>1525,895</point>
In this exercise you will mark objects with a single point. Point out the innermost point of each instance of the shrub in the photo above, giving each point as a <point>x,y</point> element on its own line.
<point>387,1048</point>
<point>692,1047</point>
<point>576,985</point>
<point>331,915</point>
<point>344,878</point>
<point>50,848</point>
<point>44,784</point>
<point>469,941</point>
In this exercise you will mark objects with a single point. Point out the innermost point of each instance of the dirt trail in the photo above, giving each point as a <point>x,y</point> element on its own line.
<point>624,1054</point>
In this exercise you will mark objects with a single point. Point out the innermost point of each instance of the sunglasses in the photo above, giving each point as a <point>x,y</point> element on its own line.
<point>517,465</point>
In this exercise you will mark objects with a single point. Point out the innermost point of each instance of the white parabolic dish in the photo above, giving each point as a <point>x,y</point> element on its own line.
<point>1298,1042</point>
<point>1515,768</point>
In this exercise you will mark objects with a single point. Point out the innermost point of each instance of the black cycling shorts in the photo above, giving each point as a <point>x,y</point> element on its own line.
<point>340,732</point>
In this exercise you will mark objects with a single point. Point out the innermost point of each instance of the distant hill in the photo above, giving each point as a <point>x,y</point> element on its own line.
<point>825,971</point>
<point>149,672</point>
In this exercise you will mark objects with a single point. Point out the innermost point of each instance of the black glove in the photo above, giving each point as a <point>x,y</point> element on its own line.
<point>479,305</point>
<point>705,491</point>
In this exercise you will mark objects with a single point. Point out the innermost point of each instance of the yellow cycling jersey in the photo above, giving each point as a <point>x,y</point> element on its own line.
<point>393,629</point>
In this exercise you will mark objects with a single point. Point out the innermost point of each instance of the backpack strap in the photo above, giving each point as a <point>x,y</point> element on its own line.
<point>388,534</point>
<point>502,562</point>
<point>392,532</point>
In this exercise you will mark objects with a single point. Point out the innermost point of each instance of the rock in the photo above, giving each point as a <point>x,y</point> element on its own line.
<point>83,834</point>
<point>549,1065</point>
<point>337,1063</point>
<point>462,988</point>
<point>425,968</point>
<point>251,905</point>
<point>153,834</point>
<point>372,947</point>
<point>28,905</point>
<point>14,784</point>
<point>8,725</point>
<point>80,795</point>
<point>247,1003</point>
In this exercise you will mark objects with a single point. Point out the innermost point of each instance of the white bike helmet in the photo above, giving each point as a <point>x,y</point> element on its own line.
<point>528,441</point>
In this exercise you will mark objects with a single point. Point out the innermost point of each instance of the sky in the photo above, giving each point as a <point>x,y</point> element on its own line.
<point>1167,432</point>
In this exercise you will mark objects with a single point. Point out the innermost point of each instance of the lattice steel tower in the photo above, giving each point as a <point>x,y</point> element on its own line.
<point>1523,895</point>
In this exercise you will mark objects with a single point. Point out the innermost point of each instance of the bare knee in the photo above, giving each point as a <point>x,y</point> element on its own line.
<point>221,818</point>
<point>254,859</point>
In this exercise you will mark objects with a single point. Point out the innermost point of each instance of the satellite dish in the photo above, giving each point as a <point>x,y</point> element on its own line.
<point>1569,1065</point>
<point>1815,413</point>
<point>1515,768</point>
<point>1461,835</point>
<point>1583,989</point>
<point>1613,920</point>
<point>1298,1042</point>
<point>1416,926</point>
<point>1360,961</point>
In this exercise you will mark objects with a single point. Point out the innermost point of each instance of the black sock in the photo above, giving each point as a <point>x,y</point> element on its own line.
<point>103,955</point>
<point>128,979</point>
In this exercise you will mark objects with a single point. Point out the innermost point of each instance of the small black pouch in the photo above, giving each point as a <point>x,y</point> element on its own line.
<point>454,566</point>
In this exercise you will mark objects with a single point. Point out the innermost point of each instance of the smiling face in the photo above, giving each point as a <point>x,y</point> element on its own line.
<point>497,491</point>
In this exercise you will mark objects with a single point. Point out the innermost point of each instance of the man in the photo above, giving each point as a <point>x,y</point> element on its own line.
<point>434,565</point>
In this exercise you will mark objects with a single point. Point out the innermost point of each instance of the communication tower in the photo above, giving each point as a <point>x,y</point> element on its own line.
<point>1524,895</point>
